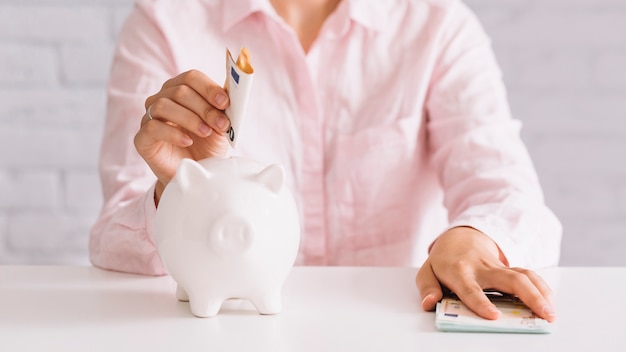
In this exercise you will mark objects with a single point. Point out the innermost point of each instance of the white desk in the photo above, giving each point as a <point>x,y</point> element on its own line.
<point>324,309</point>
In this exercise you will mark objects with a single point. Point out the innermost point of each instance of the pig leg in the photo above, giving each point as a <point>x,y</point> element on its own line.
<point>268,302</point>
<point>181,294</point>
<point>204,306</point>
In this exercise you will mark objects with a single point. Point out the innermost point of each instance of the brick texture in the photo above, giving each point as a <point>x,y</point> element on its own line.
<point>54,62</point>
<point>563,63</point>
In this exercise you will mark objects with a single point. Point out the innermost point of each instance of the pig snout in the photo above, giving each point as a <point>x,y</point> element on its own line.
<point>231,234</point>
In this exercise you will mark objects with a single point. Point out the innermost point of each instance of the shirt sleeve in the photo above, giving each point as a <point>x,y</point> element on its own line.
<point>488,177</point>
<point>122,237</point>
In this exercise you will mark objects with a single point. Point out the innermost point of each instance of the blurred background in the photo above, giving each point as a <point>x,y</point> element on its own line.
<point>564,64</point>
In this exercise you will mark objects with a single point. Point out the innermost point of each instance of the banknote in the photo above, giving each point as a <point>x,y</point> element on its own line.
<point>453,315</point>
<point>239,74</point>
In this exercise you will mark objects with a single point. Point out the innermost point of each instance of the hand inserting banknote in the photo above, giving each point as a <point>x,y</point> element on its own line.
<point>239,76</point>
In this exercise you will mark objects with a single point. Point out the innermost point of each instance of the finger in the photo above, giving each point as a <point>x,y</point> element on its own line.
<point>205,86</point>
<point>154,131</point>
<point>539,282</point>
<point>428,286</point>
<point>471,293</point>
<point>522,286</point>
<point>190,99</point>
<point>168,110</point>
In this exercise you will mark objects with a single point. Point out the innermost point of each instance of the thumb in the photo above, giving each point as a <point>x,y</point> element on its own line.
<point>428,286</point>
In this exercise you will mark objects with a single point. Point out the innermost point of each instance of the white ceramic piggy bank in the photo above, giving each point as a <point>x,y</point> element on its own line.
<point>228,228</point>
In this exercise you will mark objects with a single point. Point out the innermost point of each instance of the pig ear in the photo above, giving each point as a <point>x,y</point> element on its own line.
<point>190,173</point>
<point>272,177</point>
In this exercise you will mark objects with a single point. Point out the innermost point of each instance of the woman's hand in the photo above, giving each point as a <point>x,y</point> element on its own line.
<point>467,261</point>
<point>185,119</point>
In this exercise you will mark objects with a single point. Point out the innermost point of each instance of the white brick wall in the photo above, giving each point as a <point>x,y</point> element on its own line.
<point>564,64</point>
<point>54,62</point>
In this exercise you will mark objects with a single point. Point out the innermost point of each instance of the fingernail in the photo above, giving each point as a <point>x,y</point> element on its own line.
<point>549,311</point>
<point>187,141</point>
<point>494,310</point>
<point>222,123</point>
<point>221,99</point>
<point>427,297</point>
<point>204,129</point>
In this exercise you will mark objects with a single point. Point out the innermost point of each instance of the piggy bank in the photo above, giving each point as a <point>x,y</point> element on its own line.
<point>228,228</point>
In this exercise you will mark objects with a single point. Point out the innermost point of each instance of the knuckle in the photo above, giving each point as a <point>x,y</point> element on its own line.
<point>191,74</point>
<point>179,92</point>
<point>167,83</point>
<point>515,276</point>
<point>158,105</point>
<point>150,100</point>
<point>524,271</point>
<point>460,266</point>
<point>489,265</point>
<point>518,280</point>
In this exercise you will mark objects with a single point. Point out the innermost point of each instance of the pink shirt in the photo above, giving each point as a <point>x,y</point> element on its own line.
<point>393,128</point>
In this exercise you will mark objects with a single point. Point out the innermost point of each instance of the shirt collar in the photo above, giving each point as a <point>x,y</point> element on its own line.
<point>235,11</point>
<point>366,13</point>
